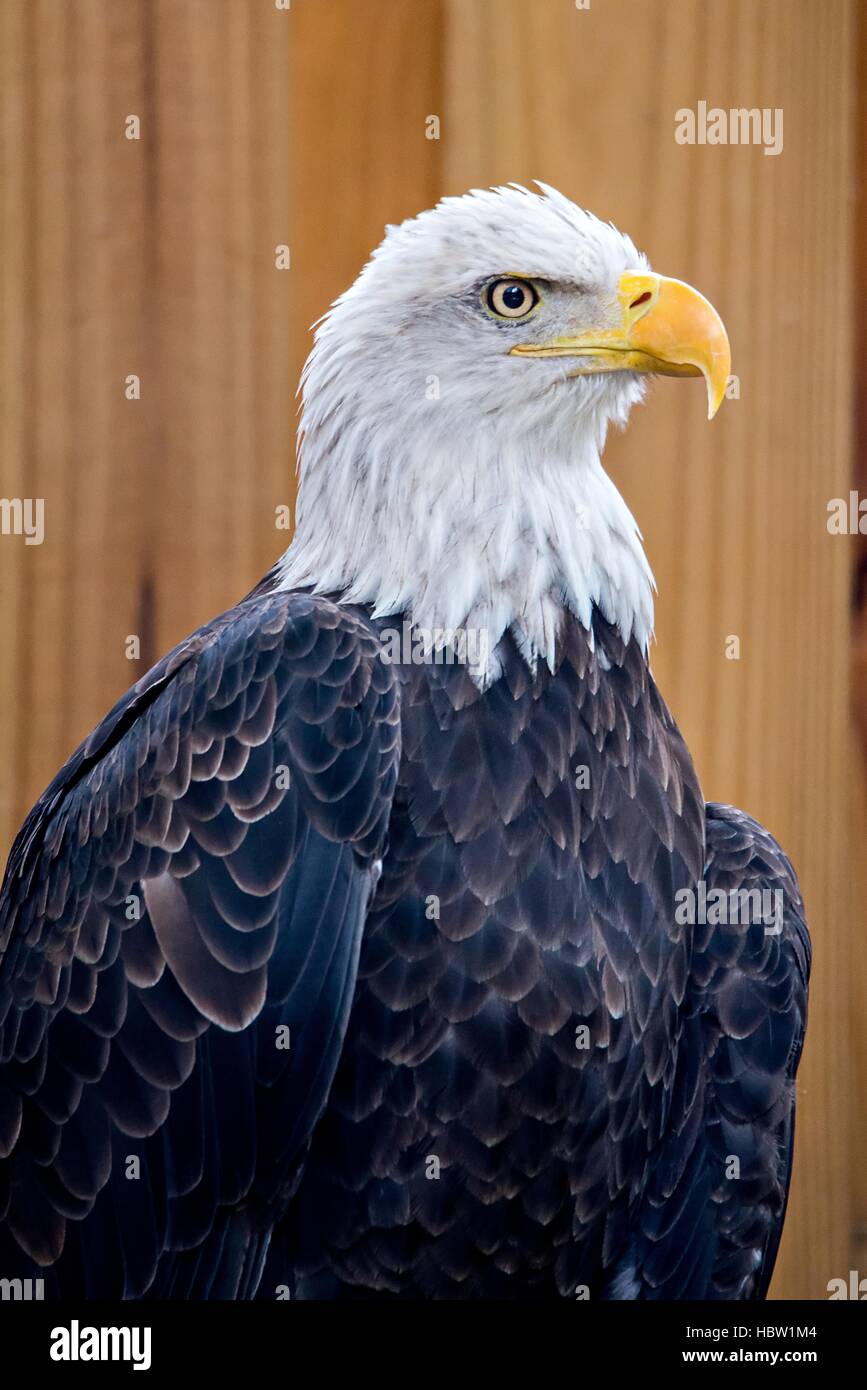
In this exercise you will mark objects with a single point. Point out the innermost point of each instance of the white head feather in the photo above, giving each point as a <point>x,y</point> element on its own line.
<point>441,477</point>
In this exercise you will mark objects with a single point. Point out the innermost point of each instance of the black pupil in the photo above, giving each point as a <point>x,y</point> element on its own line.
<point>513,297</point>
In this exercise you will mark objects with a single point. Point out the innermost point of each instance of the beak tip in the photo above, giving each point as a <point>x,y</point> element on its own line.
<point>717,385</point>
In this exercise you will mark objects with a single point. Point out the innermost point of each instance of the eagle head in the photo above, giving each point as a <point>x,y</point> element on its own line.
<point>455,408</point>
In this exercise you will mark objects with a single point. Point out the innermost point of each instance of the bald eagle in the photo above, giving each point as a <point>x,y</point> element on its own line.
<point>380,942</point>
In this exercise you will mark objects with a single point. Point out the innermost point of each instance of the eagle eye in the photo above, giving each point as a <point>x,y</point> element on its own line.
<point>511,299</point>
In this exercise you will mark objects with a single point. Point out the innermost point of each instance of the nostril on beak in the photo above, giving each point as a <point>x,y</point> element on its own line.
<point>642,299</point>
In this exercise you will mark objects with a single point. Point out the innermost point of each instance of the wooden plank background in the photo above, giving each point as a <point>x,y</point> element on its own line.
<point>306,127</point>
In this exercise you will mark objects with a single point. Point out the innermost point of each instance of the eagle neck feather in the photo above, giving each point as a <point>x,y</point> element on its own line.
<point>497,535</point>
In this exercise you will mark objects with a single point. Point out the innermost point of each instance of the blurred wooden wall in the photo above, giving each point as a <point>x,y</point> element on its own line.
<point>306,127</point>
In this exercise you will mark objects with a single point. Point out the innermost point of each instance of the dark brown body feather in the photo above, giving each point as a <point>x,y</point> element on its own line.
<point>513,1073</point>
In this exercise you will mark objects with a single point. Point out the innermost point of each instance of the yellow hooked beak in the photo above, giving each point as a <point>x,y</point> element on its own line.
<point>661,326</point>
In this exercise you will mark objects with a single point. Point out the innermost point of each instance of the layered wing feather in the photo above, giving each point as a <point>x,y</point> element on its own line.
<point>711,1220</point>
<point>180,926</point>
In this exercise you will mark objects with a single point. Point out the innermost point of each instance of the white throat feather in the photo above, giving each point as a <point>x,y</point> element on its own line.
<point>475,542</point>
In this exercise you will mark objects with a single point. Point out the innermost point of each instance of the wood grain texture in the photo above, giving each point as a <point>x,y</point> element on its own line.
<point>363,81</point>
<point>859,682</point>
<point>73,242</point>
<point>307,127</point>
<point>154,257</point>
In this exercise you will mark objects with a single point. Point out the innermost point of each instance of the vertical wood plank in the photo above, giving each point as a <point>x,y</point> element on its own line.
<point>363,82</point>
<point>15,124</point>
<point>154,257</point>
<point>74,219</point>
<point>222,389</point>
<point>859,685</point>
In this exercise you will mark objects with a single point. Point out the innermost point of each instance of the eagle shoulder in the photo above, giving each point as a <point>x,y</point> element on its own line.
<point>189,891</point>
